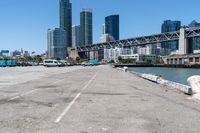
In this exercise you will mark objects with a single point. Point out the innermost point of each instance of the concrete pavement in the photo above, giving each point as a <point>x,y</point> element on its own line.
<point>94,100</point>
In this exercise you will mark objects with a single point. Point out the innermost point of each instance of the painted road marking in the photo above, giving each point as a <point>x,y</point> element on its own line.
<point>32,91</point>
<point>27,93</point>
<point>59,118</point>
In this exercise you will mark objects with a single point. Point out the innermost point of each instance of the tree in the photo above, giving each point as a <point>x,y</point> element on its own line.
<point>158,59</point>
<point>120,59</point>
<point>71,59</point>
<point>149,61</point>
<point>78,59</point>
<point>38,58</point>
<point>144,58</point>
<point>128,61</point>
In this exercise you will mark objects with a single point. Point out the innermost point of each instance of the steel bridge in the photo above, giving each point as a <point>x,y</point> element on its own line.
<point>144,40</point>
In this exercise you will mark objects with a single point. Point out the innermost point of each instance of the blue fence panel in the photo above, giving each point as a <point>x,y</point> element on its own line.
<point>2,63</point>
<point>9,63</point>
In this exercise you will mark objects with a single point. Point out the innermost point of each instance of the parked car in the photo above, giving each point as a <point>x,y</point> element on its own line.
<point>94,62</point>
<point>51,63</point>
<point>23,64</point>
<point>61,64</point>
<point>41,64</point>
<point>65,62</point>
<point>86,63</point>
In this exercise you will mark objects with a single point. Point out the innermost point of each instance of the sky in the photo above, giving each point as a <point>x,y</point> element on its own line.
<point>24,23</point>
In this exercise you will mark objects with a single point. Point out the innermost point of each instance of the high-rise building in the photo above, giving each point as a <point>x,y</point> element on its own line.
<point>195,41</point>
<point>104,53</point>
<point>66,19</point>
<point>15,53</point>
<point>86,33</point>
<point>112,26</point>
<point>194,23</point>
<point>4,53</point>
<point>170,26</point>
<point>106,38</point>
<point>147,50</point>
<point>75,36</point>
<point>57,43</point>
<point>103,29</point>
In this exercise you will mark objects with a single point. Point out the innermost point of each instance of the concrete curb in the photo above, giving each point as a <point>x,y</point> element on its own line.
<point>159,80</point>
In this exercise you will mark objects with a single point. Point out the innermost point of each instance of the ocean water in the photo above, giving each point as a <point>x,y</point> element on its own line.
<point>179,75</point>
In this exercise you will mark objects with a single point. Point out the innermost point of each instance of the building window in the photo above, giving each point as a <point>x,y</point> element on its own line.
<point>190,59</point>
<point>176,61</point>
<point>196,59</point>
<point>180,61</point>
<point>168,61</point>
<point>172,61</point>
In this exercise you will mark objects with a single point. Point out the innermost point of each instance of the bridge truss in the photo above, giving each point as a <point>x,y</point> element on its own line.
<point>141,41</point>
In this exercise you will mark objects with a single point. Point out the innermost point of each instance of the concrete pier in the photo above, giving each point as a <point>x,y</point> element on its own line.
<point>97,99</point>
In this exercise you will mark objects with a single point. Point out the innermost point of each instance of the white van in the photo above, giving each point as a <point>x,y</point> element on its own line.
<point>50,63</point>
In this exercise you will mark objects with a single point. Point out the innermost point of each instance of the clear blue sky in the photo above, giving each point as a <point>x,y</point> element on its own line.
<point>24,23</point>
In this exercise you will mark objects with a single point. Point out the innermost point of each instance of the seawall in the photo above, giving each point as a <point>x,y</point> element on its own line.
<point>159,65</point>
<point>159,80</point>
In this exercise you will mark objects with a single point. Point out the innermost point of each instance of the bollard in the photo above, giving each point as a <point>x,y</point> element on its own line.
<point>125,69</point>
<point>194,82</point>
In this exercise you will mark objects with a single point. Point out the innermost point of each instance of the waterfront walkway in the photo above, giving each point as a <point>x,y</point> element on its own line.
<point>95,100</point>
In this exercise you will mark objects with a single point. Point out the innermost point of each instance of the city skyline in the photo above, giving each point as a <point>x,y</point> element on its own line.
<point>29,27</point>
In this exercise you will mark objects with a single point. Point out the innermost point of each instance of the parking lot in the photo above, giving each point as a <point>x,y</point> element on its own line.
<point>16,75</point>
<point>95,99</point>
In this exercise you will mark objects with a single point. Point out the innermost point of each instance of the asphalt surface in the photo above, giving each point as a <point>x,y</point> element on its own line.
<point>91,100</point>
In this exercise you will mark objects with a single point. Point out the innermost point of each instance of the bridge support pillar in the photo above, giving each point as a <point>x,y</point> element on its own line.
<point>72,52</point>
<point>182,42</point>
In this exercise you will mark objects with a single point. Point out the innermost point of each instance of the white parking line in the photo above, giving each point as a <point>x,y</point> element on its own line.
<point>74,100</point>
<point>27,93</point>
<point>13,98</point>
<point>30,92</point>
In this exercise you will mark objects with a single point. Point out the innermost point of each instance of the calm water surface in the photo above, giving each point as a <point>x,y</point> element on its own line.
<point>179,75</point>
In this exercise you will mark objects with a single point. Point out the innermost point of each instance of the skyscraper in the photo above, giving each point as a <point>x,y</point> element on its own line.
<point>66,19</point>
<point>112,26</point>
<point>103,29</point>
<point>75,35</point>
<point>86,33</point>
<point>57,43</point>
<point>105,37</point>
<point>194,43</point>
<point>170,26</point>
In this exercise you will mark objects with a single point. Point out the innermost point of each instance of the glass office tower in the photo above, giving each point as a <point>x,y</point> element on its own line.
<point>195,41</point>
<point>66,19</point>
<point>170,26</point>
<point>57,43</point>
<point>112,26</point>
<point>86,33</point>
<point>75,35</point>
